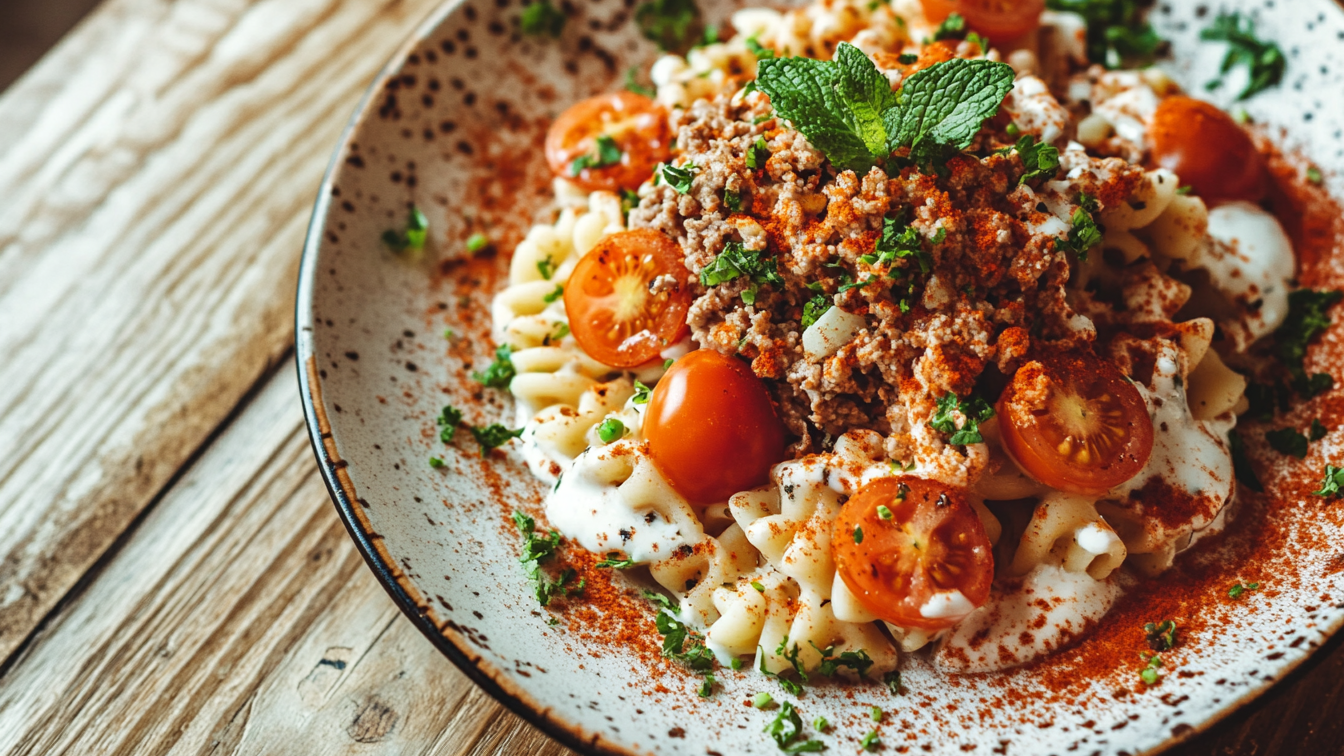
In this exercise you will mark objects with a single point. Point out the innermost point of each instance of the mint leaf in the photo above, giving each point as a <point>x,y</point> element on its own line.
<point>942,107</point>
<point>804,91</point>
<point>867,92</point>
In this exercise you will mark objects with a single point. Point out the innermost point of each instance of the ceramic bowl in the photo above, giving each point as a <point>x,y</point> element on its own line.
<point>454,124</point>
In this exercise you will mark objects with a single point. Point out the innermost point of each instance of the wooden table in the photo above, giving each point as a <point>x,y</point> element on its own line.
<point>173,576</point>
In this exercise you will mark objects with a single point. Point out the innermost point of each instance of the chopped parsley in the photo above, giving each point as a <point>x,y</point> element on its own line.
<point>493,436</point>
<point>876,714</point>
<point>1241,463</point>
<point>632,84</point>
<point>858,534</point>
<point>870,741</point>
<point>1085,233</point>
<point>1314,175</point>
<point>629,201</point>
<point>1308,317</point>
<point>1287,441</point>
<point>758,154</point>
<point>1149,673</point>
<point>884,512</point>
<point>846,109</point>
<point>758,586</point>
<point>681,644</point>
<point>538,549</point>
<point>908,59</point>
<point>614,561</point>
<point>787,728</point>
<point>677,178</point>
<point>449,418</point>
<point>605,152</point>
<point>546,267</point>
<point>1041,160</point>
<point>412,237</point>
<point>1330,485</point>
<point>859,661</point>
<point>561,331</point>
<point>736,261</point>
<point>1116,31</point>
<point>667,363</point>
<point>1161,637</point>
<point>610,430</point>
<point>762,700</point>
<point>900,241</point>
<point>1265,61</point>
<point>954,27</point>
<point>436,462</point>
<point>641,393</point>
<point>674,25</point>
<point>477,242</point>
<point>554,295</point>
<point>820,724</point>
<point>540,17</point>
<point>892,680</point>
<point>757,49</point>
<point>501,371</point>
<point>732,200</point>
<point>815,308</point>
<point>974,409</point>
<point>1237,590</point>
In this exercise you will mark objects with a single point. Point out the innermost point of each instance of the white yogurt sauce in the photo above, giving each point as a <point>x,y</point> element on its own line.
<point>1049,608</point>
<point>612,499</point>
<point>1250,261</point>
<point>952,605</point>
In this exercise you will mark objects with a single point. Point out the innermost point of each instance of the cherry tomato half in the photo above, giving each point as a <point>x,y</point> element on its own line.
<point>1000,20</point>
<point>711,427</point>
<point>1208,150</point>
<point>612,312</point>
<point>904,545</point>
<point>1073,422</point>
<point>636,125</point>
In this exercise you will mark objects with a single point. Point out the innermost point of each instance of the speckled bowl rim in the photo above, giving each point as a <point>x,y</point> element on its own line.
<point>482,673</point>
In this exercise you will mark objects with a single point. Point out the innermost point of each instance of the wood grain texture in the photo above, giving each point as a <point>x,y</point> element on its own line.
<point>158,169</point>
<point>239,619</point>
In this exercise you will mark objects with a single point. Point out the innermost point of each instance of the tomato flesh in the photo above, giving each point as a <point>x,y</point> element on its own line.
<point>1000,20</point>
<point>1208,151</point>
<point>904,563</point>
<point>613,314</point>
<point>1073,422</point>
<point>636,124</point>
<point>711,427</point>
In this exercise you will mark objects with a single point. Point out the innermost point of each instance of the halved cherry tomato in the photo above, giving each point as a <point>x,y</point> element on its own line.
<point>711,427</point>
<point>904,545</point>
<point>1208,150</point>
<point>1000,20</point>
<point>612,312</point>
<point>1073,422</point>
<point>636,124</point>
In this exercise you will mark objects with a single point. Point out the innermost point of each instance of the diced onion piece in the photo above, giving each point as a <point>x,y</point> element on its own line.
<point>833,329</point>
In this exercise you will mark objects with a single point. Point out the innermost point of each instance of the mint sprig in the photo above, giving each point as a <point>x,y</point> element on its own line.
<point>846,109</point>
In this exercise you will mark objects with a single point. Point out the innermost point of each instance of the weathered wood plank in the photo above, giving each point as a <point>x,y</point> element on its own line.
<point>238,619</point>
<point>158,169</point>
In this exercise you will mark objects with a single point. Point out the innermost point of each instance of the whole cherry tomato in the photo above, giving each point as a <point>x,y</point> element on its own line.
<point>1208,150</point>
<point>913,552</point>
<point>711,427</point>
<point>613,314</point>
<point>1073,422</point>
<point>609,142</point>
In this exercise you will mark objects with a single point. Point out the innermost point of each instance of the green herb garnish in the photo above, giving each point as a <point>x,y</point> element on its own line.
<point>974,408</point>
<point>674,25</point>
<point>1161,637</point>
<point>1085,233</point>
<point>677,178</point>
<point>1116,31</point>
<point>614,561</point>
<point>815,308</point>
<point>1287,441</point>
<point>546,267</point>
<point>1149,673</point>
<point>787,728</point>
<point>1317,431</point>
<point>501,371</point>
<point>1241,463</point>
<point>870,741</point>
<point>762,700</point>
<point>536,550</point>
<point>477,242</point>
<point>1237,590</point>
<point>1040,159</point>
<point>1308,317</point>
<point>1264,60</point>
<point>605,152</point>
<point>953,27</point>
<point>436,462</point>
<point>412,237</point>
<point>493,436</point>
<point>632,84</point>
<point>540,17</point>
<point>641,393</point>
<point>758,154</point>
<point>846,109</point>
<point>449,418</point>
<point>1330,485</point>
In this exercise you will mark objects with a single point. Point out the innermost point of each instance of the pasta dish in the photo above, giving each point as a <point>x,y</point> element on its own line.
<point>877,329</point>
